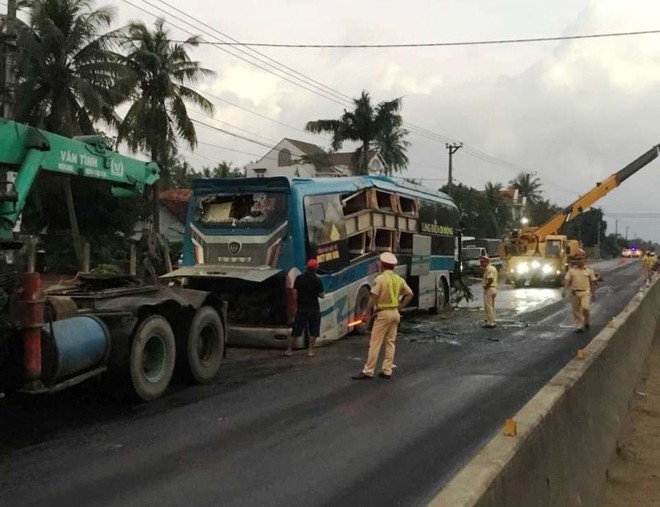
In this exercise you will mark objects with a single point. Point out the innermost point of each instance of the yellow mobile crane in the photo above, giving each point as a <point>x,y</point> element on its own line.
<point>540,254</point>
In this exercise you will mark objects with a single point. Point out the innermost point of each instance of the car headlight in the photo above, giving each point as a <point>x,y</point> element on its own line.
<point>536,264</point>
<point>522,268</point>
<point>547,269</point>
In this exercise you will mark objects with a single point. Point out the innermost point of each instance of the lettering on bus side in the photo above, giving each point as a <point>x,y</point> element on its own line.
<point>436,229</point>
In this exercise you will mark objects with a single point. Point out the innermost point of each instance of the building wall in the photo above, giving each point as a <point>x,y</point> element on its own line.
<point>270,163</point>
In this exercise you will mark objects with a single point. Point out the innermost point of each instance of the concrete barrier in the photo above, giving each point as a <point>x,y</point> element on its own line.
<point>567,433</point>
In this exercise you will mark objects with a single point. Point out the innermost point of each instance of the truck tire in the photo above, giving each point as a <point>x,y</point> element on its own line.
<point>205,345</point>
<point>361,301</point>
<point>153,353</point>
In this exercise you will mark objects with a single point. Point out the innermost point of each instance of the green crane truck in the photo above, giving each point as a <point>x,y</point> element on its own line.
<point>127,334</point>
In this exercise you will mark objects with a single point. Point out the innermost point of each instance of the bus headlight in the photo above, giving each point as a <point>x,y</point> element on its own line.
<point>547,269</point>
<point>536,264</point>
<point>522,268</point>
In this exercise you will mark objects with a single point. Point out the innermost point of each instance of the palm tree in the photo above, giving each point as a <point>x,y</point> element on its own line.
<point>393,147</point>
<point>370,126</point>
<point>158,115</point>
<point>67,75</point>
<point>528,185</point>
<point>67,79</point>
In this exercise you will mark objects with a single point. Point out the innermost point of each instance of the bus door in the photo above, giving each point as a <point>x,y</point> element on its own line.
<point>422,281</point>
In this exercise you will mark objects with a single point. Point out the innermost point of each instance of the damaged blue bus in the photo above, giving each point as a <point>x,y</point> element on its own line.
<point>246,240</point>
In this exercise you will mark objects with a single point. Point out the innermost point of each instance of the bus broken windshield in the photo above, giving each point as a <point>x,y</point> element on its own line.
<point>259,210</point>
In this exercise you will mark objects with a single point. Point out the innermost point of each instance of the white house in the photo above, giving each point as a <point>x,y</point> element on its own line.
<point>284,160</point>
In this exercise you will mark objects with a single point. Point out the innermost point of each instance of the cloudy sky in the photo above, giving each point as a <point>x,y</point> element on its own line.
<point>573,111</point>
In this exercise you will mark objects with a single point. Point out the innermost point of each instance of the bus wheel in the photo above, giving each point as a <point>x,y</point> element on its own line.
<point>206,345</point>
<point>441,299</point>
<point>153,353</point>
<point>361,302</point>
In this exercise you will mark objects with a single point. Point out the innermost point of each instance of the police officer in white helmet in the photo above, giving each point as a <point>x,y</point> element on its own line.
<point>389,294</point>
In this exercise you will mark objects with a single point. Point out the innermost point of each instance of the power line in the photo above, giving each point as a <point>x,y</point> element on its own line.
<point>263,57</point>
<point>236,43</point>
<point>440,44</point>
<point>215,44</point>
<point>310,85</point>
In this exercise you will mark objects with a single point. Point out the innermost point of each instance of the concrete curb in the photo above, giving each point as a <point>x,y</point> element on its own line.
<point>567,433</point>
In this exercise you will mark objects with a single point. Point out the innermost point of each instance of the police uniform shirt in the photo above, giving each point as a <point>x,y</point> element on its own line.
<point>580,278</point>
<point>308,289</point>
<point>490,272</point>
<point>381,288</point>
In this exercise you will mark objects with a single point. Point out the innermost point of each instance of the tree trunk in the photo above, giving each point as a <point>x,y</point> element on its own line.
<point>73,221</point>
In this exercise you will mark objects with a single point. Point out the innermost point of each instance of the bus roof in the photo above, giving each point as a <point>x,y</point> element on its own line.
<point>312,186</point>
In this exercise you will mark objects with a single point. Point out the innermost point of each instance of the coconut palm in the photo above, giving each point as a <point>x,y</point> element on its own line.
<point>68,76</point>
<point>393,147</point>
<point>158,116</point>
<point>372,127</point>
<point>528,185</point>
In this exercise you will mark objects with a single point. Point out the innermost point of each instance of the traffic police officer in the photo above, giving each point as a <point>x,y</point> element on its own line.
<point>648,264</point>
<point>489,284</point>
<point>580,280</point>
<point>385,296</point>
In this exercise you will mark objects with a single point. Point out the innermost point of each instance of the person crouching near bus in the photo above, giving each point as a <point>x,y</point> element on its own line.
<point>489,284</point>
<point>308,289</point>
<point>389,294</point>
<point>581,281</point>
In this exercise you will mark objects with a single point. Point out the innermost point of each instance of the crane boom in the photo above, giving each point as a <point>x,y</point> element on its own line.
<point>27,150</point>
<point>601,189</point>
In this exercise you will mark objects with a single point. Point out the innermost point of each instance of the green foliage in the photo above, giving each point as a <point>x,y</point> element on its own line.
<point>585,227</point>
<point>222,170</point>
<point>483,214</point>
<point>378,127</point>
<point>540,211</point>
<point>528,185</point>
<point>68,77</point>
<point>158,115</point>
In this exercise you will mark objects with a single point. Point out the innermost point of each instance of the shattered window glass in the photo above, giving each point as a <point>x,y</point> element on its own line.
<point>253,210</point>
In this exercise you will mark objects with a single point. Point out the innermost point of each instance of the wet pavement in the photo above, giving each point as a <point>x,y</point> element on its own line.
<point>298,431</point>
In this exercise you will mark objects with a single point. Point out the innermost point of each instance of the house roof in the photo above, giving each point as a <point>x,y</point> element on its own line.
<point>307,148</point>
<point>176,202</point>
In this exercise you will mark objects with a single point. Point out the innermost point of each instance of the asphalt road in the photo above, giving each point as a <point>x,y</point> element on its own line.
<point>298,431</point>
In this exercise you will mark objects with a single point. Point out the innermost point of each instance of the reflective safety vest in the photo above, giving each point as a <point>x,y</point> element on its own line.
<point>393,284</point>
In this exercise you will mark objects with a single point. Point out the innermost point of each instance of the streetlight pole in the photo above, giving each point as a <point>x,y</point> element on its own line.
<point>627,232</point>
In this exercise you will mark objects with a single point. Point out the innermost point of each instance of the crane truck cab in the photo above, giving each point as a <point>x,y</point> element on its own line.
<point>546,264</point>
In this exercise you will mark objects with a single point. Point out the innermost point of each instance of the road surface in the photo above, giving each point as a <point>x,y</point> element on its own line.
<point>298,431</point>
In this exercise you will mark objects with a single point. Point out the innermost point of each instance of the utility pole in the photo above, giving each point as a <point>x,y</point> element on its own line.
<point>7,76</point>
<point>627,232</point>
<point>453,148</point>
